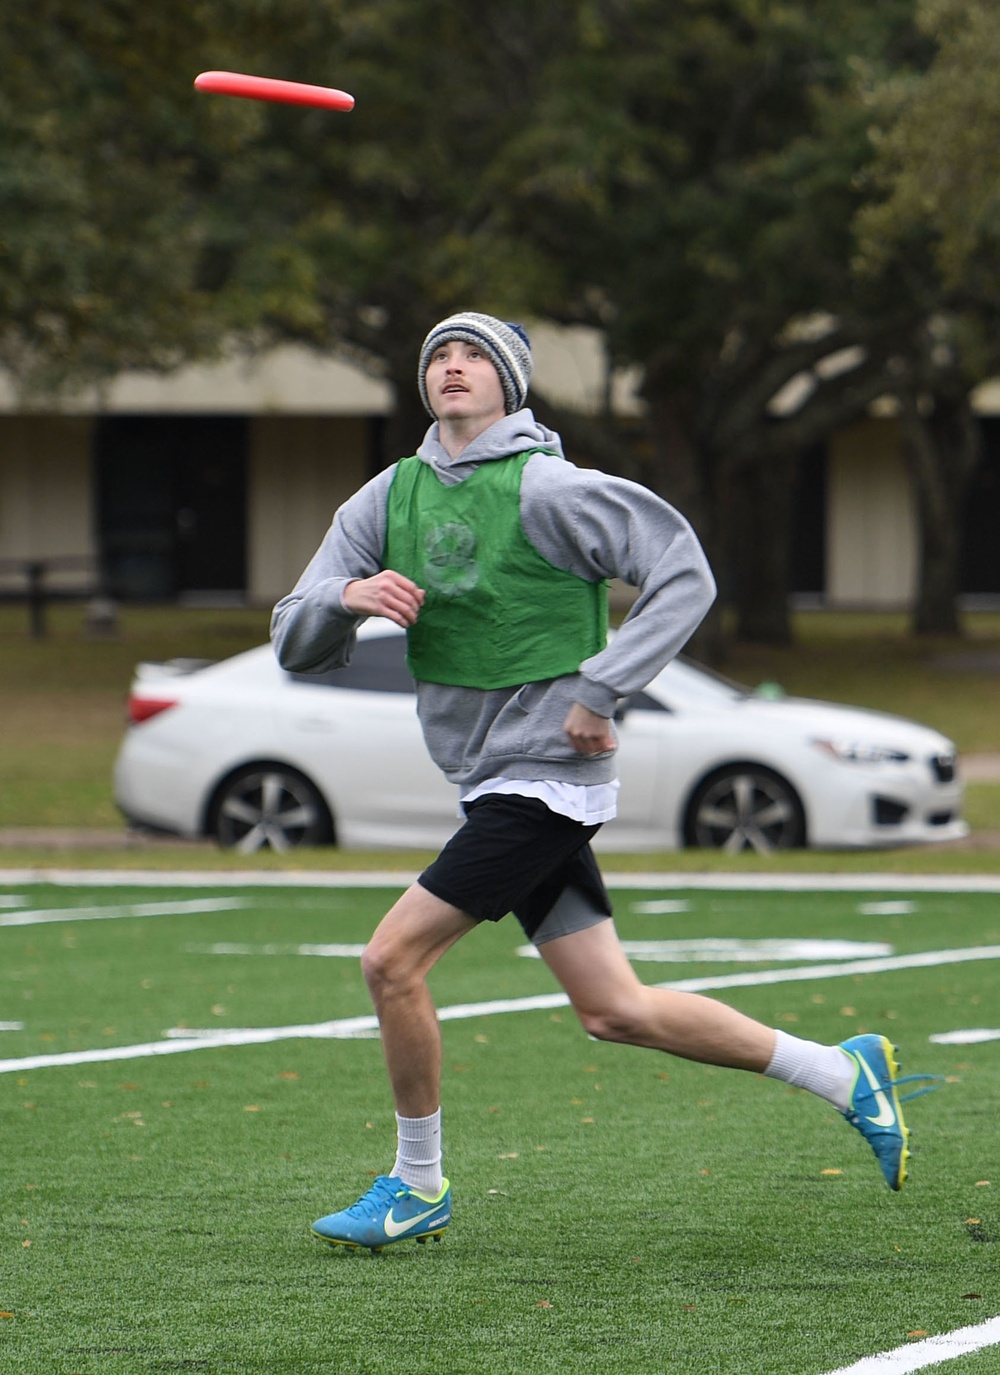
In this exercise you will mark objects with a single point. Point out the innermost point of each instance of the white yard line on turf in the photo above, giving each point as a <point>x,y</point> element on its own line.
<point>180,1039</point>
<point>394,878</point>
<point>41,916</point>
<point>947,1346</point>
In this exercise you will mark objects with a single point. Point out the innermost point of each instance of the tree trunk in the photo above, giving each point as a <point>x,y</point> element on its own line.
<point>942,444</point>
<point>678,472</point>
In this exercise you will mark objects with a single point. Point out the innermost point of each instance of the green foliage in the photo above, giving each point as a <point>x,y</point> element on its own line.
<point>939,152</point>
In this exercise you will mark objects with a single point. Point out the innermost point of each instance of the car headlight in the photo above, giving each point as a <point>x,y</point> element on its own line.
<point>860,752</point>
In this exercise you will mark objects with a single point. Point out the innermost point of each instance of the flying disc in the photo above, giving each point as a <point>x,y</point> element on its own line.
<point>268,88</point>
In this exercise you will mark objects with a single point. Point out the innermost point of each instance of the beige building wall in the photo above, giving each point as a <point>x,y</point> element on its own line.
<point>871,520</point>
<point>46,495</point>
<point>301,468</point>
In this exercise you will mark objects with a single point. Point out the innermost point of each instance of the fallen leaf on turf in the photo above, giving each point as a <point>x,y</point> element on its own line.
<point>831,1171</point>
<point>253,1107</point>
<point>982,1183</point>
<point>972,1221</point>
<point>6,1315</point>
<point>918,1332</point>
<point>848,1012</point>
<point>25,1243</point>
<point>483,1040</point>
<point>964,1296</point>
<point>511,1155</point>
<point>543,1303</point>
<point>586,1119</point>
<point>287,1074</point>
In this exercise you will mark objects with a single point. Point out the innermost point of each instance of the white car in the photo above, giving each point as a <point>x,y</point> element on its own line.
<point>254,756</point>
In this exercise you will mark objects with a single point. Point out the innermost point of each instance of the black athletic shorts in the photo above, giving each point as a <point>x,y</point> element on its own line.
<point>514,854</point>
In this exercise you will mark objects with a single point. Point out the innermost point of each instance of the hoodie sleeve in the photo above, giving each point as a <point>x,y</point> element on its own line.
<point>606,527</point>
<point>311,629</point>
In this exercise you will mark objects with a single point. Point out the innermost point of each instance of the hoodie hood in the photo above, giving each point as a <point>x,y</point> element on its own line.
<point>514,434</point>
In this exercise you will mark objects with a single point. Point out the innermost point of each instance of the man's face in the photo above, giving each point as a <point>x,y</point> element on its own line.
<point>463,385</point>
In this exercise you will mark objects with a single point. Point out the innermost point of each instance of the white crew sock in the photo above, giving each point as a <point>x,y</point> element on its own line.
<point>418,1153</point>
<point>825,1070</point>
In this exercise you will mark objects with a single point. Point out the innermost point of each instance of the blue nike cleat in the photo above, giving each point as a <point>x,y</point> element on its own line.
<point>875,1105</point>
<point>390,1211</point>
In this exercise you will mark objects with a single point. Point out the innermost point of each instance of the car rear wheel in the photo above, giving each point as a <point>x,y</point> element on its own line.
<point>745,807</point>
<point>268,806</point>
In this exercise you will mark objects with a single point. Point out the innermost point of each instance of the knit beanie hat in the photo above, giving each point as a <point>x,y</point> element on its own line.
<point>505,345</point>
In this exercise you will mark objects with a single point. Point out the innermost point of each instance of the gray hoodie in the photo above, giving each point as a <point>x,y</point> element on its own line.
<point>579,520</point>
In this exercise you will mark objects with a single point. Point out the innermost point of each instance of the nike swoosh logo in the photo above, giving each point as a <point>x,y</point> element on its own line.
<point>397,1229</point>
<point>886,1117</point>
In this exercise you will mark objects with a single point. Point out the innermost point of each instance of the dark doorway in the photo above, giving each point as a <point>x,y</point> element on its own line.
<point>171,504</point>
<point>808,534</point>
<point>980,572</point>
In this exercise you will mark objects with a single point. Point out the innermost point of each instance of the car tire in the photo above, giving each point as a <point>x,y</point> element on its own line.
<point>269,806</point>
<point>745,807</point>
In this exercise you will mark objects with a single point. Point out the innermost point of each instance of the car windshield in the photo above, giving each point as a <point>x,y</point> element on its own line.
<point>683,682</point>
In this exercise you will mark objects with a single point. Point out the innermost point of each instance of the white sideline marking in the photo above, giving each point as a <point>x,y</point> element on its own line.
<point>886,909</point>
<point>922,960</point>
<point>724,950</point>
<point>182,1038</point>
<point>972,1037</point>
<point>947,1346</point>
<point>40,916</point>
<point>660,905</point>
<point>397,878</point>
<point>13,900</point>
<point>334,952</point>
<point>11,1026</point>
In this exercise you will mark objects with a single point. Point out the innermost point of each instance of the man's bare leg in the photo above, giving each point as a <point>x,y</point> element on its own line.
<point>414,1200</point>
<point>613,1004</point>
<point>408,942</point>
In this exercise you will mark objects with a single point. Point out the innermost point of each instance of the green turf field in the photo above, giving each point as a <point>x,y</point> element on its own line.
<point>616,1212</point>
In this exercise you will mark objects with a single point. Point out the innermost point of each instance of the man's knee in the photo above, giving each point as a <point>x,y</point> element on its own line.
<point>622,1022</point>
<point>384,965</point>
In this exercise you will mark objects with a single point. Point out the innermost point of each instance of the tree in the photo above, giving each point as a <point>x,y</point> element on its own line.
<point>683,177</point>
<point>100,246</point>
<point>700,180</point>
<point>931,225</point>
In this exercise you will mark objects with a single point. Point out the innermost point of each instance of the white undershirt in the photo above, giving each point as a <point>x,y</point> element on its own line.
<point>588,803</point>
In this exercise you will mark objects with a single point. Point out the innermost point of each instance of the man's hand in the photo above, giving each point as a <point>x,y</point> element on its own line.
<point>588,732</point>
<point>387,594</point>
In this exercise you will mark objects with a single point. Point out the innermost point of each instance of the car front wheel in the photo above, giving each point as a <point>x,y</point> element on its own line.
<point>269,806</point>
<point>745,807</point>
